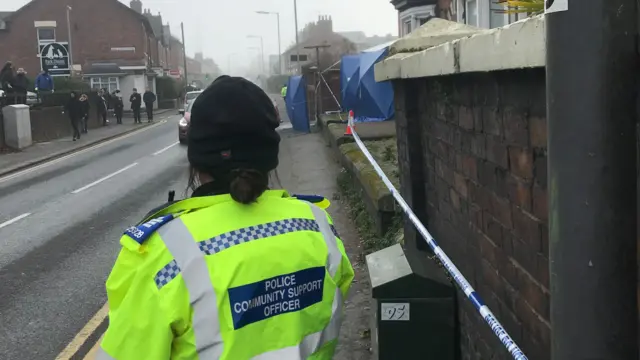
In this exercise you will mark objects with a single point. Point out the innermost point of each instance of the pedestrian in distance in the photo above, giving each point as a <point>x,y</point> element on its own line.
<point>136,103</point>
<point>21,86</point>
<point>74,111</point>
<point>238,270</point>
<point>149,98</point>
<point>101,107</point>
<point>44,84</point>
<point>118,106</point>
<point>84,113</point>
<point>7,82</point>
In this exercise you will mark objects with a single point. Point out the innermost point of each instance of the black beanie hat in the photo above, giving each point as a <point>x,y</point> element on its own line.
<point>233,126</point>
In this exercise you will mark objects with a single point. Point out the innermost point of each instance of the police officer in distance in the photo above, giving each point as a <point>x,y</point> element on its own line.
<point>237,271</point>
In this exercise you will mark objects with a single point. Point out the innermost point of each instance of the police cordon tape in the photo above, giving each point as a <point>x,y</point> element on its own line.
<point>484,311</point>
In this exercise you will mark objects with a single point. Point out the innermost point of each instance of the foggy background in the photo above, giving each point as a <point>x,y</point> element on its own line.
<point>219,28</point>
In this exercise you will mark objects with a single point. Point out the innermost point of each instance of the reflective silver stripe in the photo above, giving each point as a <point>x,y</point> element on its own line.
<point>185,251</point>
<point>102,355</point>
<point>313,342</point>
<point>335,256</point>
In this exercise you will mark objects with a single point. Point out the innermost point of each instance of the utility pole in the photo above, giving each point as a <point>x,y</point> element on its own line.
<point>69,42</point>
<point>592,72</point>
<point>295,11</point>
<point>184,56</point>
<point>279,47</point>
<point>319,74</point>
<point>279,41</point>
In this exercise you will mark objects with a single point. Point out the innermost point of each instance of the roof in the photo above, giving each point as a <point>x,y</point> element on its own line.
<point>5,14</point>
<point>402,5</point>
<point>156,25</point>
<point>332,39</point>
<point>10,15</point>
<point>103,69</point>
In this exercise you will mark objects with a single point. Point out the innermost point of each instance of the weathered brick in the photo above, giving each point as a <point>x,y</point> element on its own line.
<point>521,161</point>
<point>479,146</point>
<point>497,152</point>
<point>540,203</point>
<point>475,215</point>
<point>485,202</point>
<point>501,210</point>
<point>443,131</point>
<point>460,184</point>
<point>492,120</point>
<point>515,127</point>
<point>477,119</point>
<point>542,270</point>
<point>535,295</point>
<point>538,131</point>
<point>526,227</point>
<point>525,255</point>
<point>480,196</point>
<point>443,171</point>
<point>465,117</point>
<point>469,166</point>
<point>492,228</point>
<point>540,167</point>
<point>519,192</point>
<point>455,199</point>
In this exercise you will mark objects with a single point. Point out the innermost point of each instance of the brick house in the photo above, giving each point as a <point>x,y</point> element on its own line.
<point>318,33</point>
<point>109,54</point>
<point>481,13</point>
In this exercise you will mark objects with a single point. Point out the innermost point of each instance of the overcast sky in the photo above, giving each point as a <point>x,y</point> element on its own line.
<point>220,27</point>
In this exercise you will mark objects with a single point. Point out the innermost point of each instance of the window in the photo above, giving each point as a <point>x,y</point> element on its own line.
<point>105,82</point>
<point>471,13</point>
<point>407,27</point>
<point>46,35</point>
<point>422,21</point>
<point>497,19</point>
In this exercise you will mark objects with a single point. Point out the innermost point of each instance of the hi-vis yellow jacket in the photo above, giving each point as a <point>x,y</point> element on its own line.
<point>208,278</point>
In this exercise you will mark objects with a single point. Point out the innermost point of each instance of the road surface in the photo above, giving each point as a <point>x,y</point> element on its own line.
<point>59,229</point>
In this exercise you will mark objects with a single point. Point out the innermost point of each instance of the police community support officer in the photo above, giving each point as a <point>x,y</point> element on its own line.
<point>237,271</point>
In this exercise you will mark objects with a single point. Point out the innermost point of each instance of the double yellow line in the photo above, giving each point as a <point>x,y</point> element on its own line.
<point>83,336</point>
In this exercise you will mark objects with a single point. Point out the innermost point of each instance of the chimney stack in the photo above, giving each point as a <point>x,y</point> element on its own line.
<point>136,5</point>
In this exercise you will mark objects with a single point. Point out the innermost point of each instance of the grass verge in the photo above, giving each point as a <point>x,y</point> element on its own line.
<point>385,153</point>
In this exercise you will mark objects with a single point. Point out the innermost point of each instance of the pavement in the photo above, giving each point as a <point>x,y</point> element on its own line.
<point>40,152</point>
<point>60,222</point>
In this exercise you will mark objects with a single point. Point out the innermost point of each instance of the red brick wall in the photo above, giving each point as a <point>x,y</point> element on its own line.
<point>472,152</point>
<point>97,26</point>
<point>176,59</point>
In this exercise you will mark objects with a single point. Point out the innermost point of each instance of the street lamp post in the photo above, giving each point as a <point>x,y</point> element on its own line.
<point>279,40</point>
<point>69,8</point>
<point>295,11</point>
<point>261,51</point>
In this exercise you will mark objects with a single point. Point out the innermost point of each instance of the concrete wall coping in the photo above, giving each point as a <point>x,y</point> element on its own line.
<point>515,46</point>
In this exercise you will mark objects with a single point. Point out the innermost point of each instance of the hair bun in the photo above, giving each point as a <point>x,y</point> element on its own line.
<point>247,185</point>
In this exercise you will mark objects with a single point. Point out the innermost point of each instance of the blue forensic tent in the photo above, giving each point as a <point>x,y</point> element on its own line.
<point>349,81</point>
<point>296,103</point>
<point>375,99</point>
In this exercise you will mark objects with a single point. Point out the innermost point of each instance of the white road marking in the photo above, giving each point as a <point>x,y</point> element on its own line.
<point>84,334</point>
<point>166,148</point>
<point>60,159</point>
<point>104,178</point>
<point>14,220</point>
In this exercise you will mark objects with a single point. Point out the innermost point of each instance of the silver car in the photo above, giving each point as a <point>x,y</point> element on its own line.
<point>188,98</point>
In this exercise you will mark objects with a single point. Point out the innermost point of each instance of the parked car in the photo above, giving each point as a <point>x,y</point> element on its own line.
<point>183,124</point>
<point>188,99</point>
<point>32,98</point>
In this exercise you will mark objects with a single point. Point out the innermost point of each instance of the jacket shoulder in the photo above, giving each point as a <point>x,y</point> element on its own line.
<point>317,200</point>
<point>140,233</point>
